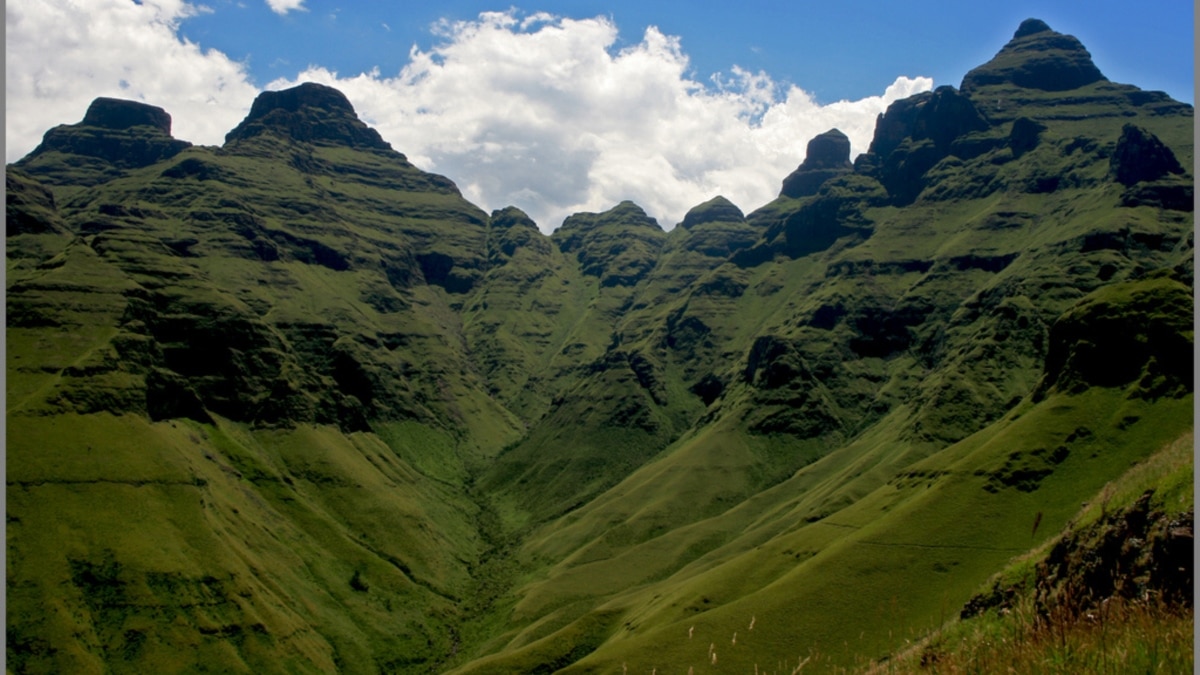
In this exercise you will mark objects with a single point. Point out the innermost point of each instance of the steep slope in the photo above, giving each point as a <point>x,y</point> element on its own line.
<point>205,345</point>
<point>891,313</point>
<point>292,404</point>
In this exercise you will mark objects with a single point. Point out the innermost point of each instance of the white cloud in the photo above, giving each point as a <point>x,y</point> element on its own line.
<point>538,111</point>
<point>61,55</point>
<point>543,113</point>
<point>284,6</point>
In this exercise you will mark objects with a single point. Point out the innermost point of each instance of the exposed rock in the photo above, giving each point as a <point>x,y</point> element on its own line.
<point>828,155</point>
<point>1037,58</point>
<point>1176,195</point>
<point>915,134</point>
<point>1140,156</point>
<point>946,116</point>
<point>310,113</point>
<point>896,124</point>
<point>1127,554</point>
<point>1024,136</point>
<point>115,135</point>
<point>717,209</point>
<point>114,113</point>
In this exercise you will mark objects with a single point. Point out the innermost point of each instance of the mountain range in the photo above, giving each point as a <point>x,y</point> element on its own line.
<point>292,404</point>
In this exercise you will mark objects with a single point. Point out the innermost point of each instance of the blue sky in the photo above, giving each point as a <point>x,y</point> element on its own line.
<point>559,107</point>
<point>834,50</point>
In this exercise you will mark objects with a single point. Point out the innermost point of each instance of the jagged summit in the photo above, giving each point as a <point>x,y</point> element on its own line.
<point>311,113</point>
<point>1037,57</point>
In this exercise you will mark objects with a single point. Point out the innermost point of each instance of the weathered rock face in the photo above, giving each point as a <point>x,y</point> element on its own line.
<point>115,135</point>
<point>1024,136</point>
<point>113,113</point>
<point>915,134</point>
<point>946,116</point>
<point>311,113</point>
<point>828,155</point>
<point>1140,156</point>
<point>1037,58</point>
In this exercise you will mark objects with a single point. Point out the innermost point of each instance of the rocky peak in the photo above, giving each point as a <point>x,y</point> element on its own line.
<point>1031,27</point>
<point>717,209</point>
<point>830,150</point>
<point>1037,58</point>
<point>511,229</point>
<point>115,113</point>
<point>511,217</point>
<point>828,155</point>
<point>620,245</point>
<point>309,113</point>
<point>120,134</point>
<point>717,228</point>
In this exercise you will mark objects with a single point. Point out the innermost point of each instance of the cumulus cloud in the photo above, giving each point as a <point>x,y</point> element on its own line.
<point>284,6</point>
<point>538,111</point>
<point>61,55</point>
<point>542,112</point>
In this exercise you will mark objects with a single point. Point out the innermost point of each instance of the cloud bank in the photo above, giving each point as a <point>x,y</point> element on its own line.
<point>538,111</point>
<point>61,55</point>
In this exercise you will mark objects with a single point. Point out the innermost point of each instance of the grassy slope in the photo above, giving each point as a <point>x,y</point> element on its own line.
<point>912,550</point>
<point>1118,637</point>
<point>614,553</point>
<point>624,514</point>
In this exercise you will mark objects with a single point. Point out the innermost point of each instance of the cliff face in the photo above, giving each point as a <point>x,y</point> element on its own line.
<point>361,424</point>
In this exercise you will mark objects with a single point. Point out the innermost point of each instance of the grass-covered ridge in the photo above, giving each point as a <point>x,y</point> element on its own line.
<point>294,405</point>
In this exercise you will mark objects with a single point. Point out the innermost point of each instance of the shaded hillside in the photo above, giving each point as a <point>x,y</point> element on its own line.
<point>293,404</point>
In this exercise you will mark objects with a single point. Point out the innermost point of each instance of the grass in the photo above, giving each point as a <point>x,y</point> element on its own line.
<point>1117,635</point>
<point>430,444</point>
<point>1122,637</point>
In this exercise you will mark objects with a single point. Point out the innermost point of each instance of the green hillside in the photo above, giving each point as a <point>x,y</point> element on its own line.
<point>292,404</point>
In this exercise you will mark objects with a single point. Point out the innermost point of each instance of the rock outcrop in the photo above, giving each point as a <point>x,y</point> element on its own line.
<point>828,155</point>
<point>717,228</point>
<point>115,136</point>
<point>1140,156</point>
<point>915,134</point>
<point>311,113</point>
